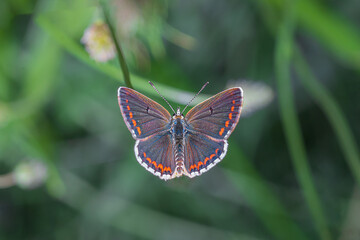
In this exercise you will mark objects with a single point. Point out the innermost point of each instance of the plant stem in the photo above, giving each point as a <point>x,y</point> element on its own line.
<point>120,54</point>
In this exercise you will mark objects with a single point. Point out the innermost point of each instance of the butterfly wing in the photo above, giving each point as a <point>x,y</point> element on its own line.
<point>143,116</point>
<point>149,124</point>
<point>209,125</point>
<point>202,153</point>
<point>217,116</point>
<point>155,154</point>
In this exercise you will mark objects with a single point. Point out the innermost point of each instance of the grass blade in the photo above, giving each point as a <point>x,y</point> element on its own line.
<point>135,219</point>
<point>292,129</point>
<point>261,199</point>
<point>333,111</point>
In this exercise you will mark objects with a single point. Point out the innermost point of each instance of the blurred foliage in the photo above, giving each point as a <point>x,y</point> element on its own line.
<point>292,170</point>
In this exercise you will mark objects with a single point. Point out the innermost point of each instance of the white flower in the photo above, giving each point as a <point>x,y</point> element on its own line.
<point>98,42</point>
<point>30,174</point>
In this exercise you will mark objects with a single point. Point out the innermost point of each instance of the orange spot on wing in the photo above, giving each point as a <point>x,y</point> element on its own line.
<point>227,123</point>
<point>199,164</point>
<point>232,108</point>
<point>148,159</point>
<point>131,114</point>
<point>153,162</point>
<point>221,131</point>
<point>212,155</point>
<point>167,169</point>
<point>206,159</point>
<point>139,131</point>
<point>128,107</point>
<point>144,154</point>
<point>134,122</point>
<point>230,115</point>
<point>193,167</point>
<point>233,102</point>
<point>126,100</point>
<point>216,151</point>
<point>161,167</point>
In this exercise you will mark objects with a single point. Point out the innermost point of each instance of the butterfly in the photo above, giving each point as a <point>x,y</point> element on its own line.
<point>172,146</point>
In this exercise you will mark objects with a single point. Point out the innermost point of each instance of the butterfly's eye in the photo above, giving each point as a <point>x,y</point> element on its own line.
<point>211,110</point>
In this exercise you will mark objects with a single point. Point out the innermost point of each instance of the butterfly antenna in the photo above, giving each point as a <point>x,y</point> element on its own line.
<point>195,96</point>
<point>161,96</point>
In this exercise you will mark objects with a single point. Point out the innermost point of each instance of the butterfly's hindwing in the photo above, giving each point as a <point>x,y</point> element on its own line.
<point>217,116</point>
<point>155,153</point>
<point>143,116</point>
<point>202,153</point>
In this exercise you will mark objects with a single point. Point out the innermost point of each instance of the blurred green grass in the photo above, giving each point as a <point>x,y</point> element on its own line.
<point>58,106</point>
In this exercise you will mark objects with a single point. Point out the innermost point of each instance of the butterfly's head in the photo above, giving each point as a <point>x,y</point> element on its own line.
<point>178,114</point>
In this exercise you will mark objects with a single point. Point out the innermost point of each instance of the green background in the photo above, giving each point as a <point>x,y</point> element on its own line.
<point>292,170</point>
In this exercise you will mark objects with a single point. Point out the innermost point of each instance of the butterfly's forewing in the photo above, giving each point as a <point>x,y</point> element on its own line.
<point>143,116</point>
<point>209,125</point>
<point>155,153</point>
<point>217,116</point>
<point>202,152</point>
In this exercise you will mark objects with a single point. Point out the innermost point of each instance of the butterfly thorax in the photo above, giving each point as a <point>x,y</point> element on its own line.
<point>178,132</point>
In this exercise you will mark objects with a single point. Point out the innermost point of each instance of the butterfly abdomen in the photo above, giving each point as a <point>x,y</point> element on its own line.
<point>178,138</point>
<point>179,153</point>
